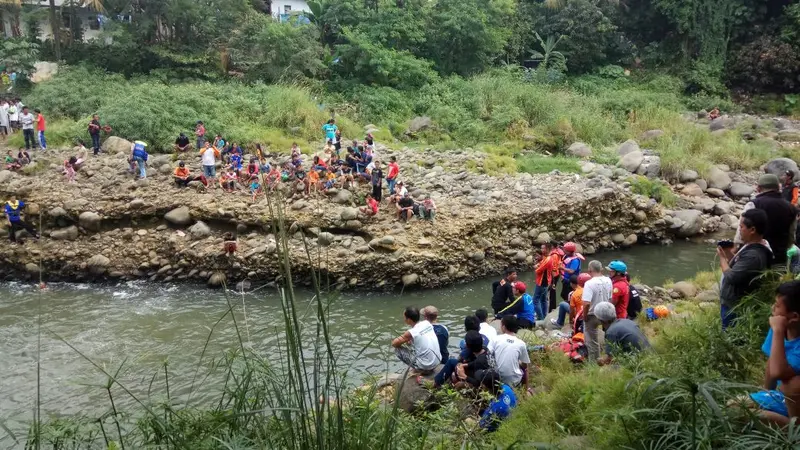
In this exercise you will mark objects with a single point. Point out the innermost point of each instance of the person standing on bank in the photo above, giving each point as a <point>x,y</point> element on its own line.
<point>13,210</point>
<point>741,271</point>
<point>597,290</point>
<point>139,155</point>
<point>26,120</point>
<point>502,291</point>
<point>781,218</point>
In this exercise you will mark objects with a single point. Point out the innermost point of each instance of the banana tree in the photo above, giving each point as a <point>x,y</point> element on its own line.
<point>549,55</point>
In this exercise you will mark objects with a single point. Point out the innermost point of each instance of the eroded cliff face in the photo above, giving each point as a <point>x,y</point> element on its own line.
<point>108,226</point>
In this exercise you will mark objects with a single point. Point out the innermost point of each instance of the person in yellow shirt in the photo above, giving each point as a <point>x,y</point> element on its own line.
<point>575,305</point>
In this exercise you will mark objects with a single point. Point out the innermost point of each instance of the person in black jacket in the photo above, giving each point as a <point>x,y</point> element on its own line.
<point>502,291</point>
<point>781,217</point>
<point>741,271</point>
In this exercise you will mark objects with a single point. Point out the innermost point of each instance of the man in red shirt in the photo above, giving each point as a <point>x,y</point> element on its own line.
<point>621,290</point>
<point>40,126</point>
<point>391,177</point>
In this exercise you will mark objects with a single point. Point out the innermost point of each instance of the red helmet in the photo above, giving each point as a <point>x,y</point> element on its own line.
<point>583,278</point>
<point>520,286</point>
<point>570,247</point>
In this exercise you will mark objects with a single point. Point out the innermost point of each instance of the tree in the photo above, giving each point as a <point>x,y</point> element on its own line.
<point>19,55</point>
<point>55,29</point>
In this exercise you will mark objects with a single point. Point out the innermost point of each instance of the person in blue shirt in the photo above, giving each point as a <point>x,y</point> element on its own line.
<point>139,155</point>
<point>330,129</point>
<point>570,265</point>
<point>500,407</point>
<point>780,401</point>
<point>522,307</point>
<point>431,314</point>
<point>14,214</point>
<point>236,161</point>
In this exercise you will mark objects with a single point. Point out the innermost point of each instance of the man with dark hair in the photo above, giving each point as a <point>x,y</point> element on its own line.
<point>486,329</point>
<point>502,291</point>
<point>780,402</point>
<point>476,359</point>
<point>418,347</point>
<point>781,217</point>
<point>548,266</point>
<point>510,354</point>
<point>14,215</point>
<point>471,323</point>
<point>741,271</point>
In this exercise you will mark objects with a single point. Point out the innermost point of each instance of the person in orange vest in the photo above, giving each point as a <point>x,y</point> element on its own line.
<point>789,190</point>
<point>544,278</point>
<point>556,256</point>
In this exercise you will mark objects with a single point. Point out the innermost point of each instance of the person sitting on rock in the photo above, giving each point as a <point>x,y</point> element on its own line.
<point>418,347</point>
<point>714,114</point>
<point>621,335</point>
<point>11,162</point>
<point>14,214</point>
<point>468,372</point>
<point>228,180</point>
<point>182,144</point>
<point>69,169</point>
<point>229,244</point>
<point>780,401</point>
<point>23,157</point>
<point>372,207</point>
<point>313,182</point>
<point>330,179</point>
<point>183,177</point>
<point>235,161</point>
<point>273,178</point>
<point>405,208</point>
<point>329,148</point>
<point>319,164</point>
<point>431,314</point>
<point>255,187</point>
<point>510,353</point>
<point>575,305</point>
<point>504,400</point>
<point>252,170</point>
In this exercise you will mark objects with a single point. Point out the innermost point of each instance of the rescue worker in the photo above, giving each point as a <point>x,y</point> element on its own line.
<point>620,291</point>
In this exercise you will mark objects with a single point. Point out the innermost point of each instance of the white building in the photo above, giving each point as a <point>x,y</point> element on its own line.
<point>89,20</point>
<point>282,9</point>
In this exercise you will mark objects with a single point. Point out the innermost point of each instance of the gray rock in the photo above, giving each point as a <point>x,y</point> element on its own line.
<point>789,135</point>
<point>542,238</point>
<point>420,123</point>
<point>410,279</point>
<point>113,145</point>
<point>730,220</point>
<point>199,230</point>
<point>477,256</point>
<point>424,242</point>
<point>691,220</point>
<point>632,161</point>
<point>627,147</point>
<point>739,189</point>
<point>32,268</point>
<point>387,241</point>
<point>98,264</point>
<point>349,213</point>
<point>217,279</point>
<point>651,166</point>
<point>702,183</point>
<point>685,289</point>
<point>179,216</point>
<point>65,234</point>
<point>720,123</point>
<point>325,239</point>
<point>580,150</point>
<point>164,169</point>
<point>687,176</point>
<point>618,238</point>
<point>136,203</point>
<point>6,176</point>
<point>630,240</point>
<point>714,192</point>
<point>718,179</point>
<point>90,220</point>
<point>722,208</point>
<point>651,134</point>
<point>300,204</point>
<point>343,197</point>
<point>779,166</point>
<point>57,212</point>
<point>781,123</point>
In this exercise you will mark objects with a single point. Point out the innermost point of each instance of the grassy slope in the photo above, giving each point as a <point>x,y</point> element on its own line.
<point>498,113</point>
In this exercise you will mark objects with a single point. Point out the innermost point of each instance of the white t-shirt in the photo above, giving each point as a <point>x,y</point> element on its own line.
<point>402,191</point>
<point>3,115</point>
<point>488,331</point>
<point>208,157</point>
<point>509,351</point>
<point>597,290</point>
<point>426,345</point>
<point>26,120</point>
<point>13,113</point>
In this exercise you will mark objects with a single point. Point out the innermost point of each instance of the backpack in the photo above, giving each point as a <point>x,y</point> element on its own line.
<point>634,302</point>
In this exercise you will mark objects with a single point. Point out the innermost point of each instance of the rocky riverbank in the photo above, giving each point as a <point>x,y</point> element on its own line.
<point>108,226</point>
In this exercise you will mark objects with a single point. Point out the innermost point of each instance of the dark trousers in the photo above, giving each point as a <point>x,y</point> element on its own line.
<point>21,225</point>
<point>96,143</point>
<point>551,292</point>
<point>446,373</point>
<point>30,139</point>
<point>566,289</point>
<point>377,192</point>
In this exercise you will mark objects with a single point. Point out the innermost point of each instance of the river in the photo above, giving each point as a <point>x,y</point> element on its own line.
<point>147,324</point>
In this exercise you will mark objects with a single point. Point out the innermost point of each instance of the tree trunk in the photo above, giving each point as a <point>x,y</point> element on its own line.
<point>55,29</point>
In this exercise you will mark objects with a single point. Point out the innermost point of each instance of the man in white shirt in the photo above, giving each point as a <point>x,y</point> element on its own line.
<point>13,116</point>
<point>486,329</point>
<point>208,157</point>
<point>597,290</point>
<point>510,354</point>
<point>26,121</point>
<point>419,346</point>
<point>4,121</point>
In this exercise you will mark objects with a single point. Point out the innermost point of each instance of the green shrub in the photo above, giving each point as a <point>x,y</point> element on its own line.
<point>655,189</point>
<point>546,164</point>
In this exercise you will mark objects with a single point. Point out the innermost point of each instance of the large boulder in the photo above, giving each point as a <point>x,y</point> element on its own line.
<point>69,233</point>
<point>420,124</point>
<point>632,161</point>
<point>343,197</point>
<point>90,220</point>
<point>98,264</point>
<point>685,289</point>
<point>413,396</point>
<point>349,214</point>
<point>114,145</point>
<point>739,189</point>
<point>692,189</point>
<point>179,216</point>
<point>779,166</point>
<point>718,179</point>
<point>720,123</point>
<point>687,176</point>
<point>580,150</point>
<point>325,239</point>
<point>650,167</point>
<point>6,176</point>
<point>627,147</point>
<point>199,230</point>
<point>410,279</point>
<point>691,222</point>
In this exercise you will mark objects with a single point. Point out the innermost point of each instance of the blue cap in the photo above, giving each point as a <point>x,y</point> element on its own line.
<point>617,266</point>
